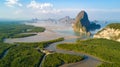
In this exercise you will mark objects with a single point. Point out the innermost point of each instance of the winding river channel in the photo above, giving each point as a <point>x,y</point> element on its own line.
<point>89,61</point>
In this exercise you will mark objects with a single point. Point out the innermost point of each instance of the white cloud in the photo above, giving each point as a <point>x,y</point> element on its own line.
<point>42,8</point>
<point>46,8</point>
<point>36,5</point>
<point>12,3</point>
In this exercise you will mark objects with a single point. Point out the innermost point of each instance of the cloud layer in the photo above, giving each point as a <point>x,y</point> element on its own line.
<point>33,4</point>
<point>12,3</point>
<point>42,9</point>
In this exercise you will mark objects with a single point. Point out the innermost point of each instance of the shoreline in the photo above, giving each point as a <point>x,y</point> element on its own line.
<point>49,34</point>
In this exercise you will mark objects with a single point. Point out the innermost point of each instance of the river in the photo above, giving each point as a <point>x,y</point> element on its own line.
<point>89,60</point>
<point>57,32</point>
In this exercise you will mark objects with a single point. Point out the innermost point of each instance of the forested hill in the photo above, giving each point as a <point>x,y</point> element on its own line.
<point>111,31</point>
<point>114,25</point>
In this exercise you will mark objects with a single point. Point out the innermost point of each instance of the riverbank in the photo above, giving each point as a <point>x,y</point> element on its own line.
<point>89,61</point>
<point>51,33</point>
<point>98,48</point>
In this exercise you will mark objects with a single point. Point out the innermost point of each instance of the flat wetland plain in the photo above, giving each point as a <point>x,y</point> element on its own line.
<point>51,32</point>
<point>27,50</point>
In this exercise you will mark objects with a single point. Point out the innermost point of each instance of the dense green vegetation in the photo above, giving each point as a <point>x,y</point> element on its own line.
<point>3,48</point>
<point>25,54</point>
<point>10,29</point>
<point>114,25</point>
<point>22,35</point>
<point>57,59</point>
<point>21,56</point>
<point>36,29</point>
<point>107,50</point>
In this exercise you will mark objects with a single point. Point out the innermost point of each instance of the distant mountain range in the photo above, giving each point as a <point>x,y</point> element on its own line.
<point>64,20</point>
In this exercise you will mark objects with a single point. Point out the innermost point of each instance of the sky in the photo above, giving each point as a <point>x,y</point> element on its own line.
<point>43,9</point>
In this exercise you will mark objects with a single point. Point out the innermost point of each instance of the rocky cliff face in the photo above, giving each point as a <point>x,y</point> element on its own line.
<point>82,23</point>
<point>109,33</point>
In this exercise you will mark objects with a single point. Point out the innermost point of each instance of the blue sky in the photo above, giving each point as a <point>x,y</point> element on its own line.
<point>27,9</point>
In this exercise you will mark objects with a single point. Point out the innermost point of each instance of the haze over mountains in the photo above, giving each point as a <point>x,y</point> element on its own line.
<point>67,20</point>
<point>80,24</point>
